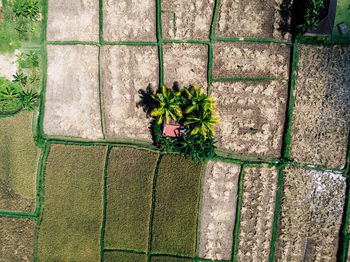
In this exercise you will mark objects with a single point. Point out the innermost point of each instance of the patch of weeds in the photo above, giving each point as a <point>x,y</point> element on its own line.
<point>26,8</point>
<point>311,17</point>
<point>28,60</point>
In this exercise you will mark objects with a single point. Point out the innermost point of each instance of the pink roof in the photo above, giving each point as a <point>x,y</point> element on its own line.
<point>173,130</point>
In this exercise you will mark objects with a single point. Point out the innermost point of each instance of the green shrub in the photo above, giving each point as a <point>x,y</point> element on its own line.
<point>311,17</point>
<point>26,8</point>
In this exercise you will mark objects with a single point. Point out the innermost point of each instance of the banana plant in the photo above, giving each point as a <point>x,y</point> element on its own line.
<point>202,122</point>
<point>197,100</point>
<point>169,106</point>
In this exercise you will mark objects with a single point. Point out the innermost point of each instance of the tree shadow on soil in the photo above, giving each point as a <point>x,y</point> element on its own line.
<point>287,22</point>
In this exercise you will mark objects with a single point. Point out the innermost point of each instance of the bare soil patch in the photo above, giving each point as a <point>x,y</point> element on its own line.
<point>311,212</point>
<point>252,116</point>
<point>73,20</point>
<point>186,64</point>
<point>17,239</point>
<point>250,60</point>
<point>255,19</point>
<point>72,105</point>
<point>126,70</point>
<point>257,213</point>
<point>187,20</point>
<point>321,116</point>
<point>218,205</point>
<point>127,20</point>
<point>8,66</point>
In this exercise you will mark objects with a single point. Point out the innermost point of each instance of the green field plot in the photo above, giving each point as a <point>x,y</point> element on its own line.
<point>170,259</point>
<point>123,257</point>
<point>17,237</point>
<point>176,206</point>
<point>73,204</point>
<point>18,163</point>
<point>129,198</point>
<point>342,15</point>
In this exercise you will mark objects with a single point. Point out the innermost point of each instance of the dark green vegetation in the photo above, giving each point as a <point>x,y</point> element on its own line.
<point>129,198</point>
<point>17,239</point>
<point>72,213</point>
<point>18,163</point>
<point>192,108</point>
<point>21,24</point>
<point>176,204</point>
<point>123,257</point>
<point>170,259</point>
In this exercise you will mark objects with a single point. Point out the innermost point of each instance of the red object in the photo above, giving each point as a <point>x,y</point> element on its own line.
<point>173,129</point>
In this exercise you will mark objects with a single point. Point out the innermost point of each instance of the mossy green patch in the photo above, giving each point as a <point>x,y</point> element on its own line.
<point>176,206</point>
<point>342,15</point>
<point>73,204</point>
<point>170,259</point>
<point>129,198</point>
<point>117,256</point>
<point>18,161</point>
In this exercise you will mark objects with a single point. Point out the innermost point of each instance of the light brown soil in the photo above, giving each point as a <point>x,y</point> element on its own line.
<point>250,60</point>
<point>311,212</point>
<point>126,70</point>
<point>72,105</point>
<point>185,64</point>
<point>252,116</point>
<point>254,19</point>
<point>192,19</point>
<point>257,213</point>
<point>73,20</point>
<point>17,239</point>
<point>8,66</point>
<point>321,116</point>
<point>217,215</point>
<point>126,20</point>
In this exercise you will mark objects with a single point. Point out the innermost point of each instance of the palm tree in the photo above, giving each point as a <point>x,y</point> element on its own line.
<point>169,103</point>
<point>198,100</point>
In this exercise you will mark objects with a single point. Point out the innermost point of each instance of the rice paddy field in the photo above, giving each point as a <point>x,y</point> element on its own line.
<point>80,179</point>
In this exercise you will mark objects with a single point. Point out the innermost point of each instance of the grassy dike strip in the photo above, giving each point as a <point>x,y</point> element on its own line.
<point>124,257</point>
<point>72,208</point>
<point>176,204</point>
<point>18,162</point>
<point>129,198</point>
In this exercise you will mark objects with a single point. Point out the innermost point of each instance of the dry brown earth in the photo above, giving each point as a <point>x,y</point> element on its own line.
<point>187,20</point>
<point>257,213</point>
<point>72,105</point>
<point>126,20</point>
<point>17,237</point>
<point>254,19</point>
<point>250,60</point>
<point>310,215</point>
<point>73,20</point>
<point>321,116</point>
<point>186,64</point>
<point>126,70</point>
<point>252,116</point>
<point>218,207</point>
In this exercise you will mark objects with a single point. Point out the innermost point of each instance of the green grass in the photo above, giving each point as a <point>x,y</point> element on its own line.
<point>18,157</point>
<point>176,204</point>
<point>170,259</point>
<point>72,207</point>
<point>117,256</point>
<point>342,15</point>
<point>129,198</point>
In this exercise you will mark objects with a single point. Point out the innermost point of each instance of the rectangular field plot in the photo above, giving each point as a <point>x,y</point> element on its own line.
<point>218,210</point>
<point>321,116</point>
<point>257,213</point>
<point>170,259</point>
<point>126,20</point>
<point>73,20</point>
<point>117,256</point>
<point>17,237</point>
<point>311,212</point>
<point>252,116</point>
<point>187,20</point>
<point>185,64</point>
<point>129,198</point>
<point>255,19</point>
<point>73,204</point>
<point>176,206</point>
<point>72,103</point>
<point>18,163</point>
<point>250,60</point>
<point>126,70</point>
